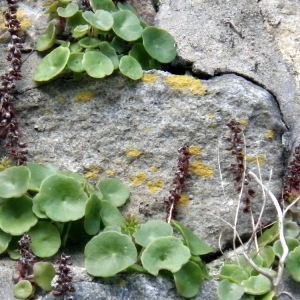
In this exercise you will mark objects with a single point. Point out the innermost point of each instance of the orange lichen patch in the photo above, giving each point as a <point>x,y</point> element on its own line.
<point>184,200</point>
<point>210,115</point>
<point>259,158</point>
<point>110,172</point>
<point>93,173</point>
<point>138,179</point>
<point>85,96</point>
<point>24,22</point>
<point>153,169</point>
<point>60,99</point>
<point>201,170</point>
<point>269,135</point>
<point>155,186</point>
<point>185,83</point>
<point>149,78</point>
<point>133,153</point>
<point>122,283</point>
<point>195,151</point>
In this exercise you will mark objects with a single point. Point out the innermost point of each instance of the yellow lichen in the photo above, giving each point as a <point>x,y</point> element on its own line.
<point>60,99</point>
<point>24,22</point>
<point>259,158</point>
<point>213,125</point>
<point>155,186</point>
<point>211,115</point>
<point>188,212</point>
<point>133,153</point>
<point>85,96</point>
<point>149,78</point>
<point>93,173</point>
<point>243,123</point>
<point>185,82</point>
<point>148,129</point>
<point>195,151</point>
<point>201,170</point>
<point>269,135</point>
<point>48,112</point>
<point>110,172</point>
<point>184,200</point>
<point>153,169</point>
<point>138,179</point>
<point>122,283</point>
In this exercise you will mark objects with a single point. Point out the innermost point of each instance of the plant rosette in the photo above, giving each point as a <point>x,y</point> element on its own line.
<point>111,37</point>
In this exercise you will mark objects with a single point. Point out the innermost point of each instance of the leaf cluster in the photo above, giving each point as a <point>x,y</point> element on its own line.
<point>109,37</point>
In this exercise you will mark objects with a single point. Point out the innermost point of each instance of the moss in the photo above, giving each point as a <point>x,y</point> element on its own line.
<point>195,151</point>
<point>155,186</point>
<point>110,172</point>
<point>184,200</point>
<point>153,169</point>
<point>138,179</point>
<point>85,96</point>
<point>133,153</point>
<point>186,83</point>
<point>257,158</point>
<point>201,170</point>
<point>149,78</point>
<point>269,135</point>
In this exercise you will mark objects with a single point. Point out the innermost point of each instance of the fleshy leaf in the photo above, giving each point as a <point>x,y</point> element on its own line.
<point>293,264</point>
<point>159,44</point>
<point>62,198</point>
<point>97,65</point>
<point>80,31</point>
<point>114,191</point>
<point>109,253</point>
<point>43,273</point>
<point>23,289</point>
<point>5,238</point>
<point>229,290</point>
<point>127,25</point>
<point>68,11</point>
<point>268,236</point>
<point>119,45</point>
<point>110,215</point>
<point>92,220</point>
<point>233,273</point>
<point>257,285</point>
<point>89,42</point>
<point>52,64</point>
<point>291,243</point>
<point>188,280</point>
<point>16,216</point>
<point>110,52</point>
<point>139,52</point>
<point>13,246</point>
<point>291,229</point>
<point>152,230</point>
<point>47,40</point>
<point>75,62</point>
<point>45,239</point>
<point>107,5</point>
<point>14,182</point>
<point>130,67</point>
<point>165,253</point>
<point>75,21</point>
<point>196,245</point>
<point>268,255</point>
<point>101,19</point>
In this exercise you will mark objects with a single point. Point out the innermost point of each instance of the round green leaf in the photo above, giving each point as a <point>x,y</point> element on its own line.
<point>80,31</point>
<point>126,6</point>
<point>110,215</point>
<point>114,191</point>
<point>107,5</point>
<point>38,174</point>
<point>257,285</point>
<point>127,25</point>
<point>101,19</point>
<point>291,243</point>
<point>45,239</point>
<point>109,253</point>
<point>47,41</point>
<point>165,253</point>
<point>61,198</point>
<point>43,273</point>
<point>89,42</point>
<point>80,179</point>
<point>14,182</point>
<point>233,273</point>
<point>293,264</point>
<point>151,231</point>
<point>196,245</point>
<point>13,246</point>
<point>229,290</point>
<point>291,229</point>
<point>188,280</point>
<point>110,52</point>
<point>52,64</point>
<point>159,44</point>
<point>5,238</point>
<point>139,52</point>
<point>23,289</point>
<point>130,67</point>
<point>268,255</point>
<point>97,65</point>
<point>119,45</point>
<point>68,11</point>
<point>16,216</point>
<point>92,219</point>
<point>75,20</point>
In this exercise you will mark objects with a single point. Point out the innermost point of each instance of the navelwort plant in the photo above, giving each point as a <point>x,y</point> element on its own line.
<point>53,206</point>
<point>98,38</point>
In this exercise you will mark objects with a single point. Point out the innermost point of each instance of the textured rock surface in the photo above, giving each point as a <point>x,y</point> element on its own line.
<point>132,130</point>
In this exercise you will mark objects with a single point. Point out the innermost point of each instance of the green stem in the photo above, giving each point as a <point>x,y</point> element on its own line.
<point>136,269</point>
<point>65,233</point>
